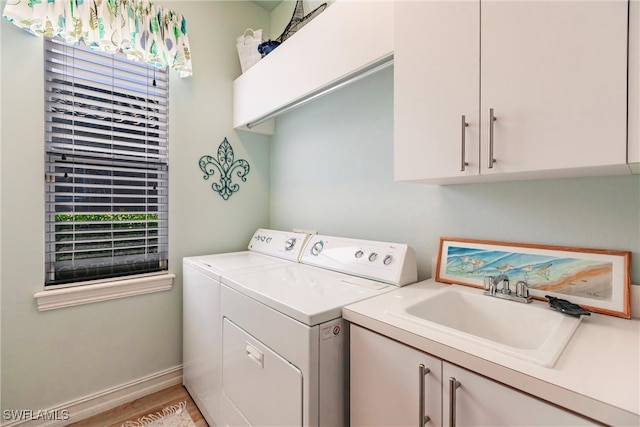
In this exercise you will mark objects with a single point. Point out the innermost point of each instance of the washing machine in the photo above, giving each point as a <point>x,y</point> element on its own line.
<point>202,319</point>
<point>285,345</point>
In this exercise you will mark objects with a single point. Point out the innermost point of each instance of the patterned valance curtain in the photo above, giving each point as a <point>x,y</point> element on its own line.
<point>139,28</point>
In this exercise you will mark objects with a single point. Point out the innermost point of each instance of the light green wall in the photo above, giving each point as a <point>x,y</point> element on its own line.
<point>53,357</point>
<point>332,171</point>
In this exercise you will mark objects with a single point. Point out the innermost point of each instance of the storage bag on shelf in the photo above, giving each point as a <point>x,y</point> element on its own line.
<point>248,48</point>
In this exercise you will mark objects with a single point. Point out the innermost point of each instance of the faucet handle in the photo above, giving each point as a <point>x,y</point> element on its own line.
<point>488,281</point>
<point>522,289</point>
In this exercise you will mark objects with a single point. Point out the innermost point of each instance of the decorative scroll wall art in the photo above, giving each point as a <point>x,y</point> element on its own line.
<point>596,279</point>
<point>225,165</point>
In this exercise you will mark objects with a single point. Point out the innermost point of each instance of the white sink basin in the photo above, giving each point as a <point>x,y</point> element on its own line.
<point>532,332</point>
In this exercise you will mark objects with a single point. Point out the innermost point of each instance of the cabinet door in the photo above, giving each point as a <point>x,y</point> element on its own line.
<point>483,402</point>
<point>634,85</point>
<point>555,73</point>
<point>436,82</point>
<point>385,382</point>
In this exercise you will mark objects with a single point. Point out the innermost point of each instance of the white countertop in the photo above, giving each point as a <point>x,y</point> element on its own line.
<point>597,374</point>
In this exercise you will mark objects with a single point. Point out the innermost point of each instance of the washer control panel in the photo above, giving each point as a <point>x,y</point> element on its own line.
<point>391,263</point>
<point>282,244</point>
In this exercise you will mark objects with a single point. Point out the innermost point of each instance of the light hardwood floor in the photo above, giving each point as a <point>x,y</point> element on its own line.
<point>150,404</point>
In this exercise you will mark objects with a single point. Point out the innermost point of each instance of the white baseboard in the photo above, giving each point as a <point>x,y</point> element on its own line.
<point>97,403</point>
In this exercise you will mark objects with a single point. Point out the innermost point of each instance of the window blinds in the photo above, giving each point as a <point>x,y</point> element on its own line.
<point>106,159</point>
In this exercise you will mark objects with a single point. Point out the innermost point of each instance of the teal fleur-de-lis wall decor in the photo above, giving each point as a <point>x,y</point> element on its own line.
<point>225,165</point>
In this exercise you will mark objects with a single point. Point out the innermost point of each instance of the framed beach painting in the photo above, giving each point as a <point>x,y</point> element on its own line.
<point>596,279</point>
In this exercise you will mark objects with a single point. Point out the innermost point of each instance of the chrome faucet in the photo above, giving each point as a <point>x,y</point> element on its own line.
<point>499,287</point>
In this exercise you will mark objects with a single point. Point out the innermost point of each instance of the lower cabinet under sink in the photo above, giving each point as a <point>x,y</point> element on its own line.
<point>387,386</point>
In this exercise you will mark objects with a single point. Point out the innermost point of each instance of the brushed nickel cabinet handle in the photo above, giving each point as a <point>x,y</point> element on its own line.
<point>492,118</point>
<point>463,163</point>
<point>453,385</point>
<point>422,418</point>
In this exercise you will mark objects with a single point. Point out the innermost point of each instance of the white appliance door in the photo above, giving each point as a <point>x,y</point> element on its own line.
<point>263,386</point>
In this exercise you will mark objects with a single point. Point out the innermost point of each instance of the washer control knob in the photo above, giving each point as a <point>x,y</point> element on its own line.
<point>373,256</point>
<point>359,253</point>
<point>317,247</point>
<point>289,244</point>
<point>268,239</point>
<point>387,259</point>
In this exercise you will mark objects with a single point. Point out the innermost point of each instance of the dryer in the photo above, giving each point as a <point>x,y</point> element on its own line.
<point>202,320</point>
<point>285,358</point>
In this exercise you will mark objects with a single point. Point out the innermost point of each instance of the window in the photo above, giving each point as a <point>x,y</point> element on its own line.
<point>106,160</point>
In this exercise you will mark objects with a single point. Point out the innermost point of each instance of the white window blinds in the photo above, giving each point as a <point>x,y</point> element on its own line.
<point>106,159</point>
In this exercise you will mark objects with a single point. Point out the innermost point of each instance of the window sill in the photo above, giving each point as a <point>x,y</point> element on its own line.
<point>86,294</point>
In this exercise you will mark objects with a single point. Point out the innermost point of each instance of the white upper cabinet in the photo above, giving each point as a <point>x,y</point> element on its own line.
<point>553,73</point>
<point>436,82</point>
<point>345,39</point>
<point>634,85</point>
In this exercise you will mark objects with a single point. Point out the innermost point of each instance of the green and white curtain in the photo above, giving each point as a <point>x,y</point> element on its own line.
<point>142,30</point>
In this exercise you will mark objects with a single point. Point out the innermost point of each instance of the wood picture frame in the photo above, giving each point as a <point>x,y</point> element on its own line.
<point>596,279</point>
